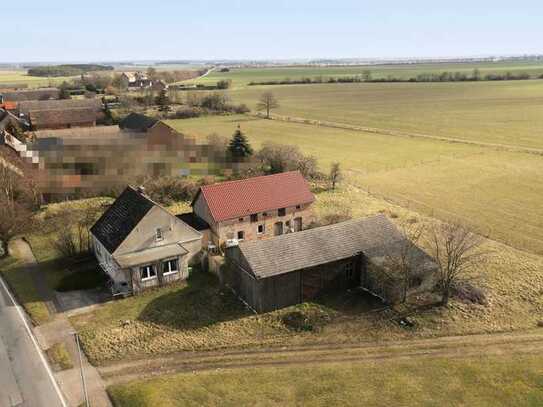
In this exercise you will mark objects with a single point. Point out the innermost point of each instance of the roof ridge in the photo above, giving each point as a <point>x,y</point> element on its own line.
<point>249,179</point>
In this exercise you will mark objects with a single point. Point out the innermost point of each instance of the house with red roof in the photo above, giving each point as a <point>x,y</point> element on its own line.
<point>255,208</point>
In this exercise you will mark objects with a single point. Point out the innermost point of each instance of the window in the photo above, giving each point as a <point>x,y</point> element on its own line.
<point>349,272</point>
<point>170,267</point>
<point>147,273</point>
<point>241,235</point>
<point>240,219</point>
<point>298,206</point>
<point>261,229</point>
<point>265,214</point>
<point>254,217</point>
<point>282,212</point>
<point>159,235</point>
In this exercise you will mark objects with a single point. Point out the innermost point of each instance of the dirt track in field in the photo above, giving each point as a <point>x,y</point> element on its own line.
<point>530,342</point>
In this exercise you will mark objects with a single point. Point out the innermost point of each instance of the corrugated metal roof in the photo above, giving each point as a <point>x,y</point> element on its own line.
<point>374,236</point>
<point>232,199</point>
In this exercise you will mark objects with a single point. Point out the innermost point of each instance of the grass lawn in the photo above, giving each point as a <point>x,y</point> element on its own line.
<point>493,381</point>
<point>24,288</point>
<point>450,181</point>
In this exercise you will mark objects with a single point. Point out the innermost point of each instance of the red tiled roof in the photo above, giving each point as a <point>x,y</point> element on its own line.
<point>232,199</point>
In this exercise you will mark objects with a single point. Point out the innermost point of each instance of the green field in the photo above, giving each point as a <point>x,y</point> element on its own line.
<point>480,381</point>
<point>242,76</point>
<point>496,192</point>
<point>509,113</point>
<point>20,77</point>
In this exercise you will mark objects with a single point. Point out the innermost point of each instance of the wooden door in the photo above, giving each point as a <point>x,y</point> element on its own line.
<point>278,228</point>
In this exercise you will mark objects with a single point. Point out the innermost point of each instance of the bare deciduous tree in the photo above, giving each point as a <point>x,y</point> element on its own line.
<point>14,207</point>
<point>267,102</point>
<point>457,250</point>
<point>335,174</point>
<point>399,261</point>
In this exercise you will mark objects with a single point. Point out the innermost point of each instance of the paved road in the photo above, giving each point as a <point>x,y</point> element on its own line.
<point>25,378</point>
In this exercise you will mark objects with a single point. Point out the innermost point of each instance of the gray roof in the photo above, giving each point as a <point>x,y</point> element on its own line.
<point>34,105</point>
<point>121,218</point>
<point>374,236</point>
<point>137,122</point>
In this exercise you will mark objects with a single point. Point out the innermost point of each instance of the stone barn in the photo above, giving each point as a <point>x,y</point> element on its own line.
<point>294,268</point>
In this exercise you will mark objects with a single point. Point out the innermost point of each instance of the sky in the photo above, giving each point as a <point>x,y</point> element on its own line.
<point>119,30</point>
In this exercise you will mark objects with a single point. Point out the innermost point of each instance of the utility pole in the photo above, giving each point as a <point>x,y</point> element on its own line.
<point>81,368</point>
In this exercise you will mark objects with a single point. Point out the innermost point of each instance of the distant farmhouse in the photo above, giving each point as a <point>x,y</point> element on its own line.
<point>255,208</point>
<point>138,80</point>
<point>294,268</point>
<point>140,245</point>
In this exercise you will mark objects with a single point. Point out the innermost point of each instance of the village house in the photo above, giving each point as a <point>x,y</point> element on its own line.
<point>255,208</point>
<point>139,244</point>
<point>294,268</point>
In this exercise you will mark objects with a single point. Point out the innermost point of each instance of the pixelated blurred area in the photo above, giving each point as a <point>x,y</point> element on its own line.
<point>87,161</point>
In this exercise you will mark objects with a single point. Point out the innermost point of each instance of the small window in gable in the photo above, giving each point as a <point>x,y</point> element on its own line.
<point>159,235</point>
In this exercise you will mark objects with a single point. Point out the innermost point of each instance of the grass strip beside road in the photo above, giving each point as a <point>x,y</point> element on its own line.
<point>477,381</point>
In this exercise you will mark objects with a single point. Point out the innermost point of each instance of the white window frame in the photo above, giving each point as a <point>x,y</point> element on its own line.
<point>258,232</point>
<point>237,235</point>
<point>150,277</point>
<point>168,262</point>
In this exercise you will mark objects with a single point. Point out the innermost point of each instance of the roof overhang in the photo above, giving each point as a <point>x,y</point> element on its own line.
<point>150,255</point>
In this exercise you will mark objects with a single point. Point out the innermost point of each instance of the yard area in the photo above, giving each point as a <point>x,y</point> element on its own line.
<point>199,316</point>
<point>477,381</point>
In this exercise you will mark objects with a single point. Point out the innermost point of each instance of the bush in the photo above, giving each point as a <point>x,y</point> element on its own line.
<point>276,158</point>
<point>468,293</point>
<point>186,113</point>
<point>307,317</point>
<point>224,84</point>
<point>167,190</point>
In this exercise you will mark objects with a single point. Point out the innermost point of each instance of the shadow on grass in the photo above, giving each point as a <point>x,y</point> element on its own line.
<point>201,303</point>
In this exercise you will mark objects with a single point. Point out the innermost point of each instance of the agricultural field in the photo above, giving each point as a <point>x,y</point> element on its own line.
<point>451,181</point>
<point>20,77</point>
<point>242,76</point>
<point>508,113</point>
<point>477,381</point>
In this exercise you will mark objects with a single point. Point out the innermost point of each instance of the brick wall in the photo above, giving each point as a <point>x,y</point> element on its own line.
<point>229,229</point>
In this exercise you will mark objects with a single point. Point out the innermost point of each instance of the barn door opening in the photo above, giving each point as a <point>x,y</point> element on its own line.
<point>278,228</point>
<point>297,224</point>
